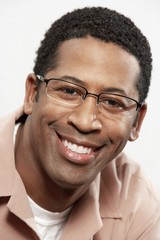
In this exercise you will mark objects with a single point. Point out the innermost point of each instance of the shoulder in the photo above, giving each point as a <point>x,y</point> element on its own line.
<point>135,197</point>
<point>11,117</point>
<point>129,177</point>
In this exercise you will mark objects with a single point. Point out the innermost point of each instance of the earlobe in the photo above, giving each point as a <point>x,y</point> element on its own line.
<point>134,134</point>
<point>30,92</point>
<point>138,123</point>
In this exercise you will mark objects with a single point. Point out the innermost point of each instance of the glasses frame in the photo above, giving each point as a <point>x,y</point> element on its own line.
<point>43,79</point>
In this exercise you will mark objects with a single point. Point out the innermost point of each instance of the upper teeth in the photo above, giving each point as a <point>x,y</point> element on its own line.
<point>76,148</point>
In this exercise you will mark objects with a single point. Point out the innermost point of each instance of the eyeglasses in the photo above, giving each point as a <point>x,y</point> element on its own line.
<point>72,95</point>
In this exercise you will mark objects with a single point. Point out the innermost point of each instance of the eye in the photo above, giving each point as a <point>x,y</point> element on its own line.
<point>69,91</point>
<point>66,92</point>
<point>113,103</point>
<point>62,88</point>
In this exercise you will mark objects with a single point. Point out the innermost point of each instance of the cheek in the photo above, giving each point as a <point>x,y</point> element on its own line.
<point>119,130</point>
<point>47,111</point>
<point>47,119</point>
<point>118,134</point>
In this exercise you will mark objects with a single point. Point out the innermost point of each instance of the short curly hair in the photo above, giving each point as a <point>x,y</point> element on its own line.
<point>104,24</point>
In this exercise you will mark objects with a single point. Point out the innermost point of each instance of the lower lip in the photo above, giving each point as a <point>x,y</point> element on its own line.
<point>75,157</point>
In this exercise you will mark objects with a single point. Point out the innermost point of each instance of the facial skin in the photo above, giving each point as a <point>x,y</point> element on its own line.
<point>48,168</point>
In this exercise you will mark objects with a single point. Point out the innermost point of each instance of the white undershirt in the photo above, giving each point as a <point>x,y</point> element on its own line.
<point>49,224</point>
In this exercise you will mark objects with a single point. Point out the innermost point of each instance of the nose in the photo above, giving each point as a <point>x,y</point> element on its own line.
<point>84,117</point>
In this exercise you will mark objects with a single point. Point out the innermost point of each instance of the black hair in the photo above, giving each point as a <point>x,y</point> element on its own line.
<point>104,24</point>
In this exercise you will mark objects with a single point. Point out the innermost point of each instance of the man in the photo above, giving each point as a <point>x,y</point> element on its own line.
<point>64,177</point>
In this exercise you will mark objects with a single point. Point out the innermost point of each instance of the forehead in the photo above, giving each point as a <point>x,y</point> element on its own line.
<point>96,62</point>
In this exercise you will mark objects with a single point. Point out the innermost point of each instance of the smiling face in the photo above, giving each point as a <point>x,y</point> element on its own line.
<point>70,146</point>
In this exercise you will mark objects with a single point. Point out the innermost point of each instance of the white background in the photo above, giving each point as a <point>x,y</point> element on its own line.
<point>22,26</point>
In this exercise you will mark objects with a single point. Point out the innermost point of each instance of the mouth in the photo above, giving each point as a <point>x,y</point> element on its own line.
<point>76,151</point>
<point>77,148</point>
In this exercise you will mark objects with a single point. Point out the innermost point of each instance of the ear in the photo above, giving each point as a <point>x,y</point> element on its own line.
<point>138,123</point>
<point>30,92</point>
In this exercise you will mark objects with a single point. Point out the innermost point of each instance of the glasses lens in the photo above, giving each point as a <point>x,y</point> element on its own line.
<point>117,105</point>
<point>65,92</point>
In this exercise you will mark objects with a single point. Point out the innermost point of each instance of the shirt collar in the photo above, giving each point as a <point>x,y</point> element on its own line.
<point>7,176</point>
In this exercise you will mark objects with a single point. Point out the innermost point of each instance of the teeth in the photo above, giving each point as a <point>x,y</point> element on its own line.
<point>76,148</point>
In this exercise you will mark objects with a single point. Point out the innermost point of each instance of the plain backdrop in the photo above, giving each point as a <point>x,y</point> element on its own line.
<point>22,26</point>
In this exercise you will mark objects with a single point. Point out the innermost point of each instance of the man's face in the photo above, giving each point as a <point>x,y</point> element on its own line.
<point>70,146</point>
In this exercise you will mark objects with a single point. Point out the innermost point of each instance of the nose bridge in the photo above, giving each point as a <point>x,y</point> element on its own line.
<point>85,116</point>
<point>94,96</point>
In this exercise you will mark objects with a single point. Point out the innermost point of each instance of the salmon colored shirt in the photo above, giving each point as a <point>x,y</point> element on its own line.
<point>119,205</point>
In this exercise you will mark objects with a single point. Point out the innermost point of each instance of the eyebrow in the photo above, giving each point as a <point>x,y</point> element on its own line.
<point>73,79</point>
<point>106,90</point>
<point>115,90</point>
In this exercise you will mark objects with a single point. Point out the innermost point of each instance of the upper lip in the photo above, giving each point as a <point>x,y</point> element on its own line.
<point>80,141</point>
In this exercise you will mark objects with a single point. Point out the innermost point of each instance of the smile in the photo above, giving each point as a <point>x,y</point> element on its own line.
<point>77,148</point>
